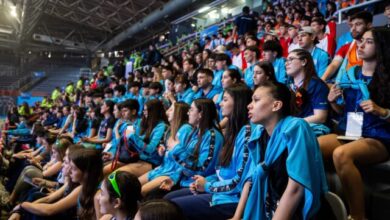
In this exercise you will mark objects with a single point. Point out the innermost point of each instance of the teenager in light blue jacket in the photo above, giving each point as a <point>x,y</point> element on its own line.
<point>273,53</point>
<point>220,192</point>
<point>230,77</point>
<point>127,118</point>
<point>199,154</point>
<point>206,88</point>
<point>147,138</point>
<point>287,176</point>
<point>174,140</point>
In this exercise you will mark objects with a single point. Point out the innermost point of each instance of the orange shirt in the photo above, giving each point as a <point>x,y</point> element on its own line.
<point>353,58</point>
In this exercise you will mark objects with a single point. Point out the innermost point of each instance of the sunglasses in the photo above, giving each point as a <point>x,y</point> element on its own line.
<point>112,179</point>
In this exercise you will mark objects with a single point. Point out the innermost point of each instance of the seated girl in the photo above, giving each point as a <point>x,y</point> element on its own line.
<point>366,104</point>
<point>144,141</point>
<point>223,188</point>
<point>262,72</point>
<point>120,194</point>
<point>176,137</point>
<point>60,204</point>
<point>198,155</point>
<point>94,119</point>
<point>79,124</point>
<point>48,171</point>
<point>287,177</point>
<point>183,90</point>
<point>310,91</point>
<point>105,129</point>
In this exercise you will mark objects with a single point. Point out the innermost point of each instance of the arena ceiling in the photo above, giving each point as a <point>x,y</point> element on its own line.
<point>85,25</point>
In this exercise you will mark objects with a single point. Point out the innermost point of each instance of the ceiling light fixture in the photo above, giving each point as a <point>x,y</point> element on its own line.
<point>204,9</point>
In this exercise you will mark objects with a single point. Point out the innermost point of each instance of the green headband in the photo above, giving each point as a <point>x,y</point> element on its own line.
<point>112,179</point>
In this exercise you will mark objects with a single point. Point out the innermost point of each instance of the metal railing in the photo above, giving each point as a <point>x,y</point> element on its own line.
<point>183,41</point>
<point>340,12</point>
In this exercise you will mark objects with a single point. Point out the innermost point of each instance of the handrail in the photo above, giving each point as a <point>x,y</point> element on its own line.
<point>195,35</point>
<point>339,12</point>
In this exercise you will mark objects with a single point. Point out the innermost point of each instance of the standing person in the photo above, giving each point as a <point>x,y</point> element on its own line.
<point>244,23</point>
<point>224,187</point>
<point>288,177</point>
<point>367,97</point>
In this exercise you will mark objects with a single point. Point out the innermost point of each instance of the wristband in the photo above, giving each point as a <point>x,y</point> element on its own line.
<point>387,116</point>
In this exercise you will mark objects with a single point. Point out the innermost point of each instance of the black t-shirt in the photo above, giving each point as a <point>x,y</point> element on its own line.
<point>96,123</point>
<point>105,125</point>
<point>81,125</point>
<point>277,179</point>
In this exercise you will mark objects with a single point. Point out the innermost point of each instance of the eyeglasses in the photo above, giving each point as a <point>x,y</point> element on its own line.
<point>112,179</point>
<point>362,41</point>
<point>290,59</point>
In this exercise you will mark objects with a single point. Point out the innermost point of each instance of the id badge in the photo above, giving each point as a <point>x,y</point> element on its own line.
<point>130,130</point>
<point>354,124</point>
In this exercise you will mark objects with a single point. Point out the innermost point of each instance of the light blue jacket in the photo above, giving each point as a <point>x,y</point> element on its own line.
<point>209,148</point>
<point>226,185</point>
<point>217,80</point>
<point>248,76</point>
<point>21,130</point>
<point>114,141</point>
<point>321,60</point>
<point>148,151</point>
<point>169,166</point>
<point>186,96</point>
<point>280,70</point>
<point>210,95</point>
<point>304,165</point>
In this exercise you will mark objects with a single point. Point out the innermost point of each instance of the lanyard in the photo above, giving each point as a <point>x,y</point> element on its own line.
<point>125,144</point>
